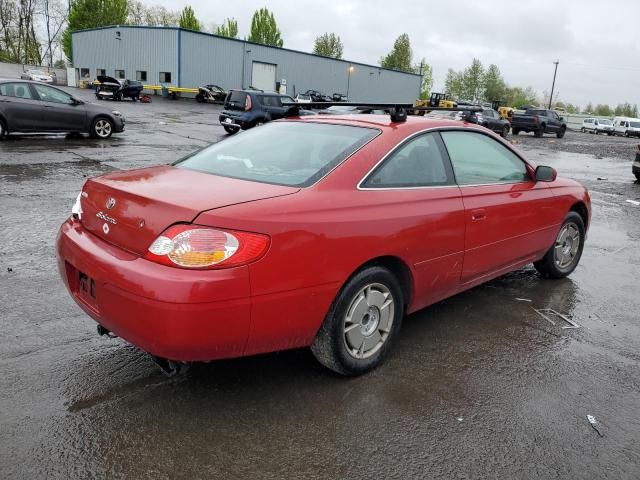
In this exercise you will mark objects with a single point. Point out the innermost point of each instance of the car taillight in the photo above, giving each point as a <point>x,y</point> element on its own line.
<point>536,120</point>
<point>247,103</point>
<point>195,246</point>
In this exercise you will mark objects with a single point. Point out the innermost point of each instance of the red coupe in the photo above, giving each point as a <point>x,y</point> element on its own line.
<point>320,232</point>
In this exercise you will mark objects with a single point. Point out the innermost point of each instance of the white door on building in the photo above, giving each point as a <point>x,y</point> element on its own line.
<point>263,76</point>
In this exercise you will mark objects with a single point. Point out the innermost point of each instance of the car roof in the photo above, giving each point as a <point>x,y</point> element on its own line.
<point>383,122</point>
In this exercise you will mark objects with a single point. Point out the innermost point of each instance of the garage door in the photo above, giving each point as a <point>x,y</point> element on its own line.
<point>263,76</point>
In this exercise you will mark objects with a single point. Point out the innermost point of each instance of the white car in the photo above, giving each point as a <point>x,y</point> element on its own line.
<point>302,98</point>
<point>629,127</point>
<point>37,76</point>
<point>597,125</point>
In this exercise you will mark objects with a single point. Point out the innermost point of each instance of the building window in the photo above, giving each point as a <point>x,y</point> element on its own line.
<point>84,73</point>
<point>120,74</point>
<point>141,76</point>
<point>101,72</point>
<point>165,77</point>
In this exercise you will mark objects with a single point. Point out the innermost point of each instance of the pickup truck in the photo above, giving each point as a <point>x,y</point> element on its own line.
<point>539,122</point>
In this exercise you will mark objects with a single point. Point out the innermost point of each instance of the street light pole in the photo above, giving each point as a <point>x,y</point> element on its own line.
<point>554,82</point>
<point>349,79</point>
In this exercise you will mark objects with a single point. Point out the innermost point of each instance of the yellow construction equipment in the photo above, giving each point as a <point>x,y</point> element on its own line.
<point>435,100</point>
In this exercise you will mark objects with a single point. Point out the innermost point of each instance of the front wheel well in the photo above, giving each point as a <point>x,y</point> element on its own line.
<point>399,269</point>
<point>581,209</point>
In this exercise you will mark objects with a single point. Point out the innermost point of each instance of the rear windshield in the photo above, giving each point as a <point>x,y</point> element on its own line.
<point>283,153</point>
<point>236,97</point>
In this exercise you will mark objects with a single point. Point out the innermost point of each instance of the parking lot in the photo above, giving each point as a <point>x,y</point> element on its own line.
<point>478,386</point>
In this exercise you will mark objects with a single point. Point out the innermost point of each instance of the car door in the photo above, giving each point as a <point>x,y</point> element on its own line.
<point>415,187</point>
<point>555,121</point>
<point>59,112</point>
<point>508,215</point>
<point>19,106</point>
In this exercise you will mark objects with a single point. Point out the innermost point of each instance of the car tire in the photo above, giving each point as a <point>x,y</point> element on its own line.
<point>561,132</point>
<point>515,131</point>
<point>4,131</point>
<point>564,255</point>
<point>582,130</point>
<point>638,177</point>
<point>539,132</point>
<point>505,131</point>
<point>230,130</point>
<point>361,324</point>
<point>626,134</point>
<point>101,128</point>
<point>117,97</point>
<point>200,98</point>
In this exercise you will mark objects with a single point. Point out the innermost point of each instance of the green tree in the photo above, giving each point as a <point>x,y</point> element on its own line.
<point>264,29</point>
<point>328,45</point>
<point>589,108</point>
<point>493,84</point>
<point>571,108</point>
<point>453,84</point>
<point>426,71</point>
<point>399,58</point>
<point>93,13</point>
<point>228,29</point>
<point>517,97</point>
<point>473,81</point>
<point>634,111</point>
<point>188,19</point>
<point>603,110</point>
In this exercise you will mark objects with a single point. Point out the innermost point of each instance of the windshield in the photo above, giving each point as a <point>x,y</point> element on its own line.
<point>604,122</point>
<point>283,153</point>
<point>37,72</point>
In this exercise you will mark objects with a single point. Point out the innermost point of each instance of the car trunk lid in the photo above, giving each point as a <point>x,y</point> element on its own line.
<point>130,209</point>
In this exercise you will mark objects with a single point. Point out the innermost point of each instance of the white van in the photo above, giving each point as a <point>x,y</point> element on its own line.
<point>597,125</point>
<point>629,127</point>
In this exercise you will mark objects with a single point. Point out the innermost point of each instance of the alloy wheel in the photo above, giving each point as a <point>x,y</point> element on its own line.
<point>368,320</point>
<point>567,245</point>
<point>103,128</point>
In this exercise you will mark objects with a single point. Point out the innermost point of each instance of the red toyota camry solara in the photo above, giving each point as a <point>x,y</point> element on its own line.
<point>320,232</point>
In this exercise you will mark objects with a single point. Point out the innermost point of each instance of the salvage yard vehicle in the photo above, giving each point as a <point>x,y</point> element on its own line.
<point>635,168</point>
<point>211,94</point>
<point>317,96</point>
<point>629,127</point>
<point>37,76</point>
<point>539,122</point>
<point>318,232</point>
<point>244,109</point>
<point>440,100</point>
<point>490,119</point>
<point>597,125</point>
<point>109,88</point>
<point>30,107</point>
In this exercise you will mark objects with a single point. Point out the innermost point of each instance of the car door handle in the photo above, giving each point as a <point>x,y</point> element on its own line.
<point>478,214</point>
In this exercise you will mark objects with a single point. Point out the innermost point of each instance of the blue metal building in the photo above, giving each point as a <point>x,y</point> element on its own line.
<point>173,56</point>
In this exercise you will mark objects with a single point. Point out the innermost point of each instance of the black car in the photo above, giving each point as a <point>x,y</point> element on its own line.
<point>490,119</point>
<point>317,96</point>
<point>211,93</point>
<point>34,107</point>
<point>110,88</point>
<point>244,109</point>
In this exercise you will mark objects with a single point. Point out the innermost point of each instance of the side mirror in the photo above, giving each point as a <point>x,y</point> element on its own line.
<point>545,174</point>
<point>75,101</point>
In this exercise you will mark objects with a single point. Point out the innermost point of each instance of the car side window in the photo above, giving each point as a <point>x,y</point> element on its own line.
<point>48,94</point>
<point>479,159</point>
<point>17,90</point>
<point>421,162</point>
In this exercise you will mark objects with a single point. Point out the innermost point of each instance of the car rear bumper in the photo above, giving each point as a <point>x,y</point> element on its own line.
<point>233,121</point>
<point>173,313</point>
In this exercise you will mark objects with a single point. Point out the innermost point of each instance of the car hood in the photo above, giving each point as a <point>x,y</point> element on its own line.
<point>108,79</point>
<point>130,209</point>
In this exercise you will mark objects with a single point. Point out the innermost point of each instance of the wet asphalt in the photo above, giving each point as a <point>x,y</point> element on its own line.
<point>477,386</point>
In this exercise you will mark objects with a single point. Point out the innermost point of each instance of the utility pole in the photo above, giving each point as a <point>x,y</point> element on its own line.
<point>554,82</point>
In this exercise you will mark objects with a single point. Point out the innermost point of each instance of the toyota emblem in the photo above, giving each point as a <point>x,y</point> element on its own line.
<point>111,202</point>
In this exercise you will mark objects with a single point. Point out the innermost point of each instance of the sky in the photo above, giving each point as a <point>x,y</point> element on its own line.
<point>596,42</point>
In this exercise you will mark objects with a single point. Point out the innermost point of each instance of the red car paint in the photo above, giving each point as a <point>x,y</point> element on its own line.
<point>448,238</point>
